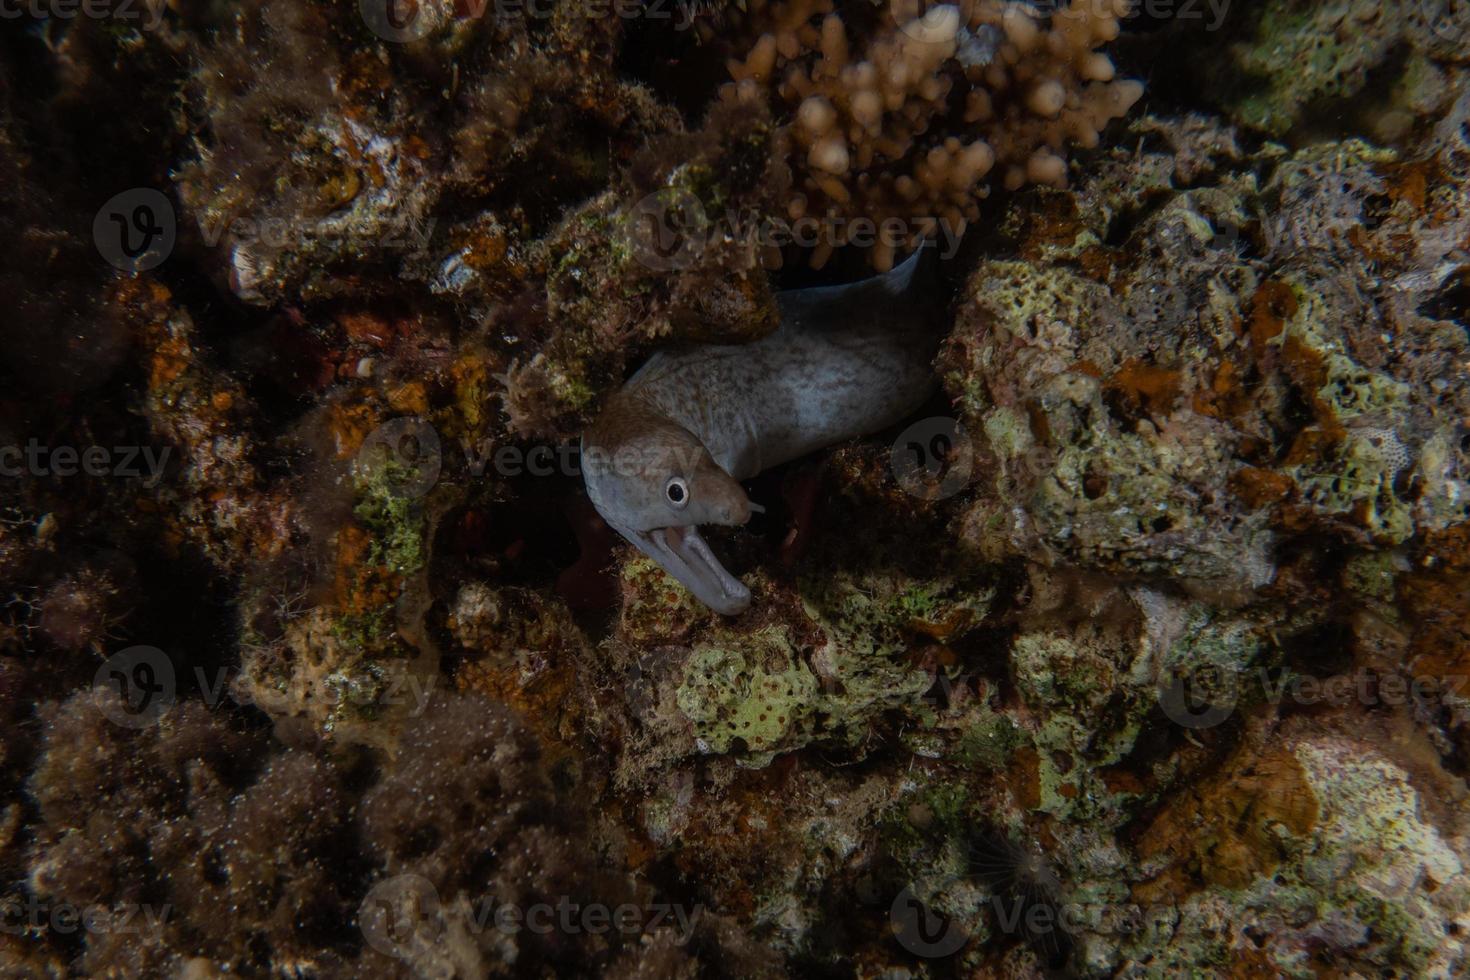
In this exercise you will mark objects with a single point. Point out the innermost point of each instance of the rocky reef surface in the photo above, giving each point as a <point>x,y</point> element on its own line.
<point>1143,651</point>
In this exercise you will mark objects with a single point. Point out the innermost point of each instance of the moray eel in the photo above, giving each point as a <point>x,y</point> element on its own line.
<point>667,453</point>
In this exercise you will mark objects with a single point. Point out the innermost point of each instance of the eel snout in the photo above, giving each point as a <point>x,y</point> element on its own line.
<point>683,553</point>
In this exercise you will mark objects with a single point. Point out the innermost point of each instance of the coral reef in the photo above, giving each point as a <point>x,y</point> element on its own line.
<point>1286,866</point>
<point>315,661</point>
<point>1300,54</point>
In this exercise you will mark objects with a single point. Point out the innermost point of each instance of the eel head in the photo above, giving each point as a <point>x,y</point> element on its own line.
<point>655,486</point>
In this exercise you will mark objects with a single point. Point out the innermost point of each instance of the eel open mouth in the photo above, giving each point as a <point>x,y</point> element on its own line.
<point>682,553</point>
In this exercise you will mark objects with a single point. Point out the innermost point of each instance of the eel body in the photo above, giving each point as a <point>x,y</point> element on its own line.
<point>668,451</point>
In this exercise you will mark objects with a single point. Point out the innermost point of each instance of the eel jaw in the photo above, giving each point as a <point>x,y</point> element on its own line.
<point>682,553</point>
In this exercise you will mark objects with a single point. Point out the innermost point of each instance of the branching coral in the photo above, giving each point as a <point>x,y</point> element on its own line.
<point>903,123</point>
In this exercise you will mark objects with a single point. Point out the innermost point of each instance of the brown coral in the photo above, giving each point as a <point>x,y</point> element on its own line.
<point>166,822</point>
<point>873,114</point>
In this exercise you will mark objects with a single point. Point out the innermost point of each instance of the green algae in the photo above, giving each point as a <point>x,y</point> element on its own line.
<point>394,519</point>
<point>753,690</point>
<point>989,742</point>
<point>760,693</point>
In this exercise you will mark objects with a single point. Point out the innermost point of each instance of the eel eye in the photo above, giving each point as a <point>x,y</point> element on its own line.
<point>677,491</point>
